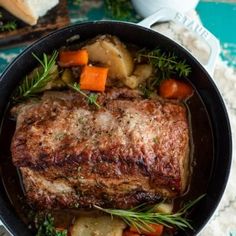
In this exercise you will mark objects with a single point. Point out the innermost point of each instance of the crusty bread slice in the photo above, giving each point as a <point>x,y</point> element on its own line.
<point>28,10</point>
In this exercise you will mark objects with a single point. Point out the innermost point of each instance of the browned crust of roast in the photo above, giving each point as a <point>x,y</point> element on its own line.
<point>132,150</point>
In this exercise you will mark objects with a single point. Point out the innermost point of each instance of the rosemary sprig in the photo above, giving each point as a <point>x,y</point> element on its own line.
<point>141,219</point>
<point>91,98</point>
<point>165,64</point>
<point>30,86</point>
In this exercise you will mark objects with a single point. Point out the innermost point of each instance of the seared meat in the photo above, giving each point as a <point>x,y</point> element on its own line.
<point>131,150</point>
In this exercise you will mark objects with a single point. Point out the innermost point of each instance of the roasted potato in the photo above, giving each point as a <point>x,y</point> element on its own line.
<point>163,207</point>
<point>109,51</point>
<point>97,226</point>
<point>141,73</point>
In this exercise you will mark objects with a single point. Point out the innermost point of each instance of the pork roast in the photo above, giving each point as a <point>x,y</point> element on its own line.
<point>131,150</point>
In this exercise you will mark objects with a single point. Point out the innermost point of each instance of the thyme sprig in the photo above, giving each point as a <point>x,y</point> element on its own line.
<point>167,63</point>
<point>91,98</point>
<point>141,217</point>
<point>30,86</point>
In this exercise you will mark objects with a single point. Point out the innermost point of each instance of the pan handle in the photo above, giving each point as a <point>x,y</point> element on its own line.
<point>168,14</point>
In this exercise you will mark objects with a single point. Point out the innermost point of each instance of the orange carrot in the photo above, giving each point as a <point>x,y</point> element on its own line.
<point>93,78</point>
<point>172,88</point>
<point>130,233</point>
<point>73,58</point>
<point>157,230</point>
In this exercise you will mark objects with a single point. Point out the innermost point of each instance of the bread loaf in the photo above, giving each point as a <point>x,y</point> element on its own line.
<point>28,10</point>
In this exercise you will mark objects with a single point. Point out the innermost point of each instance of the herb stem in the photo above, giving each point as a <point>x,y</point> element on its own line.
<point>156,57</point>
<point>91,98</point>
<point>166,64</point>
<point>46,65</point>
<point>31,86</point>
<point>141,219</point>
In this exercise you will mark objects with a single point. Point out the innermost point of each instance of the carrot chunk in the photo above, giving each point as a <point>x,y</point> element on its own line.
<point>157,230</point>
<point>93,78</point>
<point>172,88</point>
<point>73,58</point>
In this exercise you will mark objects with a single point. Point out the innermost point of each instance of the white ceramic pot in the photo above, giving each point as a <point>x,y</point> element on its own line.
<point>147,7</point>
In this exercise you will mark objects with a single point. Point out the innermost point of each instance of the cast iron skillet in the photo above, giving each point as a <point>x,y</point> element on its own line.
<point>211,138</point>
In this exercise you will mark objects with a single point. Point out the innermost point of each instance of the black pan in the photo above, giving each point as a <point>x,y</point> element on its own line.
<point>211,134</point>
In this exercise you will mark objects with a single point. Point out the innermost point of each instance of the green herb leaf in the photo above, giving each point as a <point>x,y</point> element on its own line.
<point>145,91</point>
<point>30,86</point>
<point>166,65</point>
<point>47,228</point>
<point>8,26</point>
<point>118,9</point>
<point>142,216</point>
<point>91,98</point>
